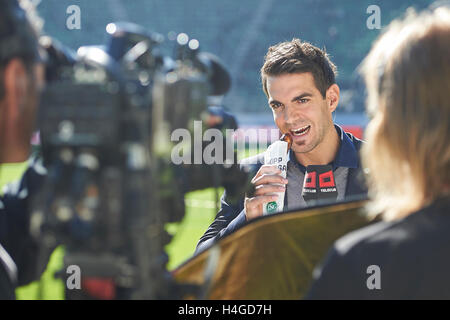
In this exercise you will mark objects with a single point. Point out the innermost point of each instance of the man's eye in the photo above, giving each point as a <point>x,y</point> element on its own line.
<point>302,100</point>
<point>275,105</point>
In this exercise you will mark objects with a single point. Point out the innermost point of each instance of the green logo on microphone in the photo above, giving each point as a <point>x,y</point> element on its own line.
<point>271,207</point>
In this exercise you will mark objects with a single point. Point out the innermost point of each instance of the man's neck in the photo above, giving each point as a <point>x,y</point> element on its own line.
<point>13,151</point>
<point>322,154</point>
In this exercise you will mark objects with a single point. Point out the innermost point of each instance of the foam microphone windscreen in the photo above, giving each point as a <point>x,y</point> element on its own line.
<point>319,183</point>
<point>220,78</point>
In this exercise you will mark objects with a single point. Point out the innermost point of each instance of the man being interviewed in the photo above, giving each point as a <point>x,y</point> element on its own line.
<point>299,82</point>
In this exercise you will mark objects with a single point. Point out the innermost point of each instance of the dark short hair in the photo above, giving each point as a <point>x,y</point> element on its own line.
<point>18,35</point>
<point>299,57</point>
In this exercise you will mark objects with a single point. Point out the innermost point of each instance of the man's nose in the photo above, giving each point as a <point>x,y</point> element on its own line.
<point>290,114</point>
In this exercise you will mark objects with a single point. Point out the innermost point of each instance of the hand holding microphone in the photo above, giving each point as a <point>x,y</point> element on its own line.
<point>270,181</point>
<point>267,181</point>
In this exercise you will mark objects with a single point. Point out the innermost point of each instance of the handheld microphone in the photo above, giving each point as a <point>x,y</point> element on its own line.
<point>319,184</point>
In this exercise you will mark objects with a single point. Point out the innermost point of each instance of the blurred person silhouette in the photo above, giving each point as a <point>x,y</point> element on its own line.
<point>21,80</point>
<point>405,256</point>
<point>218,117</point>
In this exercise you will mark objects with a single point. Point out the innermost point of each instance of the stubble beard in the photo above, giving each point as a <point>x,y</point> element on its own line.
<point>303,148</point>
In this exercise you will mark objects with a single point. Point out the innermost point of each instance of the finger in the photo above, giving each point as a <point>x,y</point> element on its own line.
<point>266,189</point>
<point>270,179</point>
<point>254,206</point>
<point>267,169</point>
<point>254,202</point>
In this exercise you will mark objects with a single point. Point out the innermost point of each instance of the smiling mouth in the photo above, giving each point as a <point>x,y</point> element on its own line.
<point>300,131</point>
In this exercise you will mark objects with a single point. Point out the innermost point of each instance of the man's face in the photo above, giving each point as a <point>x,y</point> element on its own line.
<point>300,109</point>
<point>22,88</point>
<point>29,104</point>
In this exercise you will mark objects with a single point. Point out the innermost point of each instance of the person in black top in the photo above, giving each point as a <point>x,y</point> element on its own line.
<point>405,256</point>
<point>21,80</point>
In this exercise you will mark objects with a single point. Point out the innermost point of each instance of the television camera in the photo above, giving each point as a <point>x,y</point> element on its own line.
<point>105,122</point>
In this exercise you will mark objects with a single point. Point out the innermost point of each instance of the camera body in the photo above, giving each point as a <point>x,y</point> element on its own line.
<point>105,121</point>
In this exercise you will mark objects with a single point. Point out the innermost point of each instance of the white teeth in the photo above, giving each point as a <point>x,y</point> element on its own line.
<point>300,131</point>
<point>302,128</point>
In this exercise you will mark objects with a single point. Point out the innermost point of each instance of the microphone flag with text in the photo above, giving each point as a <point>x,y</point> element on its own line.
<point>319,184</point>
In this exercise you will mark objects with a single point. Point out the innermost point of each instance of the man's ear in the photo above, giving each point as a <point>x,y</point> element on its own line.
<point>15,85</point>
<point>332,96</point>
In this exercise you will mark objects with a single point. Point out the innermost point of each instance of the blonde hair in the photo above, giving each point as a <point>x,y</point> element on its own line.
<point>407,74</point>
